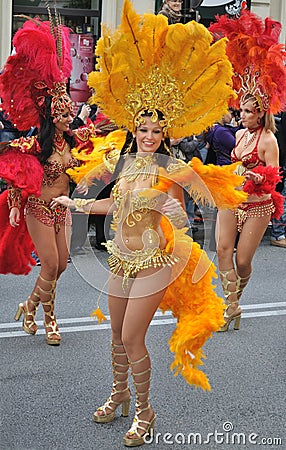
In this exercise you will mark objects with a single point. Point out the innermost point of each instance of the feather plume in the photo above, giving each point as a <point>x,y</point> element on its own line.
<point>16,245</point>
<point>199,314</point>
<point>257,58</point>
<point>36,61</point>
<point>147,64</point>
<point>101,159</point>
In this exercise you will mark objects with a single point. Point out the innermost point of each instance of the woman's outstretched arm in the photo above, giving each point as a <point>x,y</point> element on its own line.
<point>89,206</point>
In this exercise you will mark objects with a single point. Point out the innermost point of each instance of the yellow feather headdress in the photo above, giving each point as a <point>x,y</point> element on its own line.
<point>147,64</point>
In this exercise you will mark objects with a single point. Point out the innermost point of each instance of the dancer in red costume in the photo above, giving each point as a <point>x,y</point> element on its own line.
<point>260,81</point>
<point>33,89</point>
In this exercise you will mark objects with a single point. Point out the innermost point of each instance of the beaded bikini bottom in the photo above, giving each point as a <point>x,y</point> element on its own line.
<point>41,210</point>
<point>253,209</point>
<point>131,263</point>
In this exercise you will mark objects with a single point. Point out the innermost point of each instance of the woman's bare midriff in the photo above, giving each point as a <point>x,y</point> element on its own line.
<point>144,233</point>
<point>60,187</point>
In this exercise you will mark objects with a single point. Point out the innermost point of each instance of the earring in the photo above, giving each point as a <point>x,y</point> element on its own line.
<point>259,121</point>
<point>167,148</point>
<point>128,149</point>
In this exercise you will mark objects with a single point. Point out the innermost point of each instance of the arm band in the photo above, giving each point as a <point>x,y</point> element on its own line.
<point>14,197</point>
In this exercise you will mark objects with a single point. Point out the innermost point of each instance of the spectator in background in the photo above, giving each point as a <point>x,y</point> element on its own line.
<point>7,130</point>
<point>278,234</point>
<point>203,145</point>
<point>221,140</point>
<point>171,10</point>
<point>84,113</point>
<point>186,149</point>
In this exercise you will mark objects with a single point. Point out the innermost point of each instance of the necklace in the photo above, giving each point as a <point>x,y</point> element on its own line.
<point>60,144</point>
<point>140,166</point>
<point>249,138</point>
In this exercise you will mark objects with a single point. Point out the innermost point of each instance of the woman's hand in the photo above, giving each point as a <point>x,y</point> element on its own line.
<point>62,200</point>
<point>82,187</point>
<point>85,111</point>
<point>14,217</point>
<point>257,178</point>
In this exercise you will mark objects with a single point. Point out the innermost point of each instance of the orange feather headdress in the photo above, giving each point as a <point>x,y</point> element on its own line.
<point>257,58</point>
<point>147,64</point>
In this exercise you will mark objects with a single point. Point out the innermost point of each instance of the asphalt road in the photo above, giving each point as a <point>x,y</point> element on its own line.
<point>49,394</point>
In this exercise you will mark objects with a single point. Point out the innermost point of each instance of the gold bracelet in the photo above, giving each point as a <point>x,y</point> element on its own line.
<point>79,204</point>
<point>178,219</point>
<point>14,197</point>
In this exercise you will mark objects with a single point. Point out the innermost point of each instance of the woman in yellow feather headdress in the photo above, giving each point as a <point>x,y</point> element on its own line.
<point>158,81</point>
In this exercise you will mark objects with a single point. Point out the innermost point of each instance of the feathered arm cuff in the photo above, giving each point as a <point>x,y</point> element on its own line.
<point>271,177</point>
<point>216,185</point>
<point>20,167</point>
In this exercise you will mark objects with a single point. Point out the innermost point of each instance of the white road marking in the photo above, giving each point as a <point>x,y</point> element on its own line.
<point>159,319</point>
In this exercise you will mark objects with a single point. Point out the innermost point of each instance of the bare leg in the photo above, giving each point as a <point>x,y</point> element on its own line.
<point>250,238</point>
<point>53,261</point>
<point>139,313</point>
<point>120,393</point>
<point>226,232</point>
<point>235,280</point>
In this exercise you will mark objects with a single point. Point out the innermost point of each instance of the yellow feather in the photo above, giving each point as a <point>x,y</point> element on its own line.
<point>95,163</point>
<point>194,75</point>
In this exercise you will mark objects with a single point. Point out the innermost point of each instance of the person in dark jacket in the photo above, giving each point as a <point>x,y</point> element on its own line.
<point>221,139</point>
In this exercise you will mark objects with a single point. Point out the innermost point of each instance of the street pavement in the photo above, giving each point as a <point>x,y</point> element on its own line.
<point>49,394</point>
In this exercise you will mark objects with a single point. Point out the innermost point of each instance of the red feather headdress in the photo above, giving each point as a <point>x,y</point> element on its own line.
<point>257,58</point>
<point>40,67</point>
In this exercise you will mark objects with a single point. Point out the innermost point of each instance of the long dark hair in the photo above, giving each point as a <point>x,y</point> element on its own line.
<point>130,147</point>
<point>47,133</point>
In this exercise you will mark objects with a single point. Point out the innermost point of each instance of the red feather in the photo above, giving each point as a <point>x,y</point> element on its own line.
<point>16,245</point>
<point>271,178</point>
<point>36,60</point>
<point>22,171</point>
<point>253,49</point>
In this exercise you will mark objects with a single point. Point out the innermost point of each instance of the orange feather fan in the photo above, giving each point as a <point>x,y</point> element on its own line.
<point>207,184</point>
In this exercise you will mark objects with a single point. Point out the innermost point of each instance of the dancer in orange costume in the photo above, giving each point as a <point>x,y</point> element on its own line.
<point>163,89</point>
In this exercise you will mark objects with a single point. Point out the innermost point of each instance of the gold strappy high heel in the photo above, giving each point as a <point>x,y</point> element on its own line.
<point>120,375</point>
<point>51,325</point>
<point>239,285</point>
<point>29,324</point>
<point>133,437</point>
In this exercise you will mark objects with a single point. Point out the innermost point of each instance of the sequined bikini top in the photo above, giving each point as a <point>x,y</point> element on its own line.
<point>251,159</point>
<point>54,169</point>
